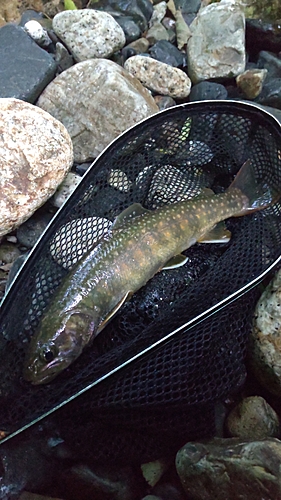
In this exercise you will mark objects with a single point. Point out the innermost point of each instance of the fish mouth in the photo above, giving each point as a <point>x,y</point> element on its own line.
<point>43,374</point>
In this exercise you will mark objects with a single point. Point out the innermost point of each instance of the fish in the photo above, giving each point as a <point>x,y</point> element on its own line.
<point>139,244</point>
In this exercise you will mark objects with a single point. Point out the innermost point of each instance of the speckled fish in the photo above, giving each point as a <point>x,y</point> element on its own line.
<point>138,245</point>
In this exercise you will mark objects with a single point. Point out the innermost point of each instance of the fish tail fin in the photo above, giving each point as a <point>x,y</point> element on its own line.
<point>257,195</point>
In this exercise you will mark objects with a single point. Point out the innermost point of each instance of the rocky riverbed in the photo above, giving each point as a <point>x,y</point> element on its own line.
<point>75,75</point>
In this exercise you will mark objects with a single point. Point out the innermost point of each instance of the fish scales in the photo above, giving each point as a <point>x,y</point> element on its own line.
<point>139,244</point>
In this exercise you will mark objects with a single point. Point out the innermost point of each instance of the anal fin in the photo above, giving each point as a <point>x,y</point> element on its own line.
<point>219,234</point>
<point>176,261</point>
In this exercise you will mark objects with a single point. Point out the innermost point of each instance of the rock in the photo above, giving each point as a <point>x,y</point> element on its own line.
<point>139,45</point>
<point>63,58</point>
<point>140,10</point>
<point>130,28</point>
<point>207,90</point>
<point>37,33</point>
<point>265,339</point>
<point>253,418</point>
<point>8,253</point>
<point>167,491</point>
<point>270,62</point>
<point>32,69</point>
<point>89,33</point>
<point>216,48</point>
<point>267,10</point>
<point>164,51</point>
<point>100,101</point>
<point>157,32</point>
<point>251,82</point>
<point>36,153</point>
<point>188,6</point>
<point>262,35</point>
<point>159,77</point>
<point>271,93</point>
<point>151,497</point>
<point>30,15</point>
<point>153,471</point>
<point>159,12</point>
<point>82,168</point>
<point>29,232</point>
<point>26,495</point>
<point>164,102</point>
<point>65,189</point>
<point>231,469</point>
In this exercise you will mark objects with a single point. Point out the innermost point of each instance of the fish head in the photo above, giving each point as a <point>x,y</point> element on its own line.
<point>56,345</point>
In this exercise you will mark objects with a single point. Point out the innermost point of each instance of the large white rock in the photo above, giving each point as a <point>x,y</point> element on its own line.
<point>159,76</point>
<point>89,33</point>
<point>96,100</point>
<point>216,48</point>
<point>35,155</point>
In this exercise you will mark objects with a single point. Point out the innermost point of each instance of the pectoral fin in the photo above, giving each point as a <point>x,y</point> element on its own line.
<point>219,234</point>
<point>113,312</point>
<point>127,214</point>
<point>176,261</point>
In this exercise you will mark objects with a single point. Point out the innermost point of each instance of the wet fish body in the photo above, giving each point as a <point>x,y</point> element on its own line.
<point>138,245</point>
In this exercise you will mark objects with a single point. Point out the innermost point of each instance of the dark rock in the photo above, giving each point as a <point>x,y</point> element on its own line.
<point>26,69</point>
<point>130,28</point>
<point>139,10</point>
<point>29,232</point>
<point>164,101</point>
<point>82,168</point>
<point>63,58</point>
<point>188,6</point>
<point>128,52</point>
<point>166,52</point>
<point>168,491</point>
<point>207,90</point>
<point>271,62</point>
<point>271,93</point>
<point>262,36</point>
<point>30,15</point>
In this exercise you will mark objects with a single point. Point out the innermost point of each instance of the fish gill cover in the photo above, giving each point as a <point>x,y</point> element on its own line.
<point>169,393</point>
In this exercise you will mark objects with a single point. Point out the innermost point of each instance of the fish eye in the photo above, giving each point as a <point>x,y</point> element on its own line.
<point>48,353</point>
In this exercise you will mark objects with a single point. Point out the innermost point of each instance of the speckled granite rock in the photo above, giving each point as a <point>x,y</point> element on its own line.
<point>96,100</point>
<point>216,48</point>
<point>159,77</point>
<point>35,155</point>
<point>89,33</point>
<point>230,469</point>
<point>265,340</point>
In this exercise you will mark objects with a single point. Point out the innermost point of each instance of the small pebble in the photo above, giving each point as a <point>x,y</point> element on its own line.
<point>65,189</point>
<point>251,82</point>
<point>37,33</point>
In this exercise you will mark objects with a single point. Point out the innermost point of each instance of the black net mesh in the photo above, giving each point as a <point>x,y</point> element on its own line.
<point>167,395</point>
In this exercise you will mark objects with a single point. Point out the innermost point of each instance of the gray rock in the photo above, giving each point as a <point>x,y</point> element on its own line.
<point>35,155</point>
<point>139,45</point>
<point>153,471</point>
<point>29,232</point>
<point>251,82</point>
<point>8,253</point>
<point>96,100</point>
<point>253,418</point>
<point>230,469</point>
<point>271,93</point>
<point>164,51</point>
<point>216,48</point>
<point>65,189</point>
<point>159,12</point>
<point>63,58</point>
<point>271,62</point>
<point>265,339</point>
<point>140,10</point>
<point>157,32</point>
<point>32,68</point>
<point>89,33</point>
<point>159,77</point>
<point>164,102</point>
<point>207,90</point>
<point>129,26</point>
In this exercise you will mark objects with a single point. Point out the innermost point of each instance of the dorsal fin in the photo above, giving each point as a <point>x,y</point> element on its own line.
<point>129,213</point>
